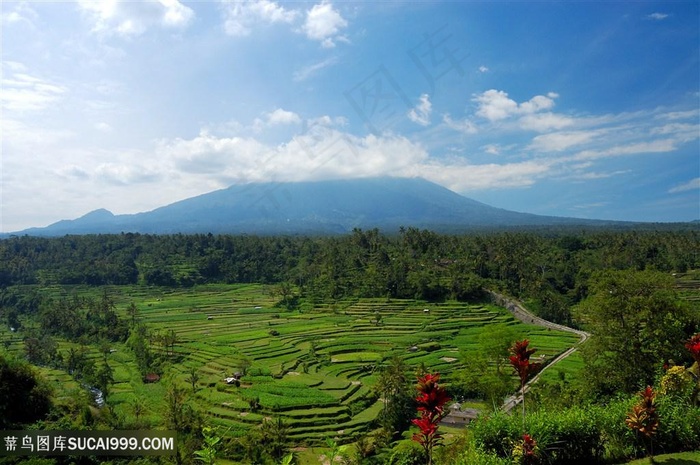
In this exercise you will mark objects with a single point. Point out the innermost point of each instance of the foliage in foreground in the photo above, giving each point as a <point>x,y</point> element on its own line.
<point>24,396</point>
<point>431,401</point>
<point>638,323</point>
<point>590,434</point>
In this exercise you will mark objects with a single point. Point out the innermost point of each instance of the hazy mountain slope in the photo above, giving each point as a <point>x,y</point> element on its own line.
<point>309,207</point>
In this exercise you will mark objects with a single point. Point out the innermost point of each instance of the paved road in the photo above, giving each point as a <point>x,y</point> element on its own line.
<point>519,312</point>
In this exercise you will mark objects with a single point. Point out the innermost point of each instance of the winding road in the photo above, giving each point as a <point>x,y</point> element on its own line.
<point>522,314</point>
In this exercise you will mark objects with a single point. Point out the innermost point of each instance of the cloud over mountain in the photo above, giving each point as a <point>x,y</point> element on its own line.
<point>129,105</point>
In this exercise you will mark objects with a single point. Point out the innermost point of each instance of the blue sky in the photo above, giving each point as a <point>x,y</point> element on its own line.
<point>584,109</point>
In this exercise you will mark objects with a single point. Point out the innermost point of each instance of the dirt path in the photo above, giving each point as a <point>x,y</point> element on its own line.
<point>522,314</point>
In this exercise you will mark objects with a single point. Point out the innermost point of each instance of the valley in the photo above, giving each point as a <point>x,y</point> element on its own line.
<point>316,369</point>
<point>312,346</point>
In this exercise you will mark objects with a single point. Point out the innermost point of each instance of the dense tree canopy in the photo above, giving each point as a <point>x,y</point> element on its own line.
<point>24,397</point>
<point>638,323</point>
<point>550,268</point>
<point>619,281</point>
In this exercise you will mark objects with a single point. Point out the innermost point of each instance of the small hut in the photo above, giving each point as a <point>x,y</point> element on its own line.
<point>235,379</point>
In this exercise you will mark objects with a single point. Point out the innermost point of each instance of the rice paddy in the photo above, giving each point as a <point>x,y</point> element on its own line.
<point>315,368</point>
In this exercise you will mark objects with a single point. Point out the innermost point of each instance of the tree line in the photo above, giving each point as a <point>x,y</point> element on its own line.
<point>550,268</point>
<point>618,284</point>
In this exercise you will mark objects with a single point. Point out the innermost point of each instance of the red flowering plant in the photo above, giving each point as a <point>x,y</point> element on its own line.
<point>520,361</point>
<point>526,451</point>
<point>529,449</point>
<point>693,345</point>
<point>643,418</point>
<point>431,402</point>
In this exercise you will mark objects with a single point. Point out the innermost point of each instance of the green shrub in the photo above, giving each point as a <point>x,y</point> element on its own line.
<point>569,436</point>
<point>474,456</point>
<point>618,439</point>
<point>462,450</point>
<point>407,453</point>
<point>589,434</point>
<point>679,426</point>
<point>496,433</point>
<point>572,436</point>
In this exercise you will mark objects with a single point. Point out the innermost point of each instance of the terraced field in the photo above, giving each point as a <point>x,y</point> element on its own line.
<point>313,368</point>
<point>688,285</point>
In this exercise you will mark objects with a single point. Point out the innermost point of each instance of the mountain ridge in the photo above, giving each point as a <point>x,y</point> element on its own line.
<point>311,207</point>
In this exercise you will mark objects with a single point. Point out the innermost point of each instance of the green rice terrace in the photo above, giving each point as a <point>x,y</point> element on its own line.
<point>313,367</point>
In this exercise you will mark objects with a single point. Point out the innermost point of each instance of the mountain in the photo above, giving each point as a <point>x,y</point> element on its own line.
<point>324,207</point>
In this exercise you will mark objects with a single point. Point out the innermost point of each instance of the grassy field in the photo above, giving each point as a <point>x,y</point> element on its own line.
<point>313,368</point>
<point>680,458</point>
<point>688,285</point>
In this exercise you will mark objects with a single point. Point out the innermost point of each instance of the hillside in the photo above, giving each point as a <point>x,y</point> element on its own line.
<point>323,207</point>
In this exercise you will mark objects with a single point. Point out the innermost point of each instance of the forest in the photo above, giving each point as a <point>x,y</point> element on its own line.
<point>97,308</point>
<point>551,268</point>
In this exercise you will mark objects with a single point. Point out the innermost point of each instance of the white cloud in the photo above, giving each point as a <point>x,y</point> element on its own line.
<point>325,121</point>
<point>683,132</point>
<point>207,154</point>
<point>462,176</point>
<point>324,23</point>
<point>102,126</point>
<point>124,174</point>
<point>657,16</point>
<point>420,114</point>
<point>498,149</point>
<point>129,18</point>
<point>280,116</point>
<point>73,172</point>
<point>653,146</point>
<point>492,149</point>
<point>20,137</point>
<point>24,92</point>
<point>15,66</point>
<point>275,118</point>
<point>538,103</point>
<point>97,167</point>
<point>325,154</point>
<point>465,126</point>
<point>271,12</point>
<point>558,141</point>
<point>483,69</point>
<point>592,175</point>
<point>176,14</point>
<point>576,146</point>
<point>692,185</point>
<point>241,17</point>
<point>592,205</point>
<point>495,105</point>
<point>308,71</point>
<point>674,115</point>
<point>21,13</point>
<point>543,122</point>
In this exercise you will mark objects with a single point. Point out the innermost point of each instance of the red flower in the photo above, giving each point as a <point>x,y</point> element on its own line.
<point>648,395</point>
<point>431,397</point>
<point>431,400</point>
<point>643,417</point>
<point>529,445</point>
<point>428,430</point>
<point>693,346</point>
<point>520,360</point>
